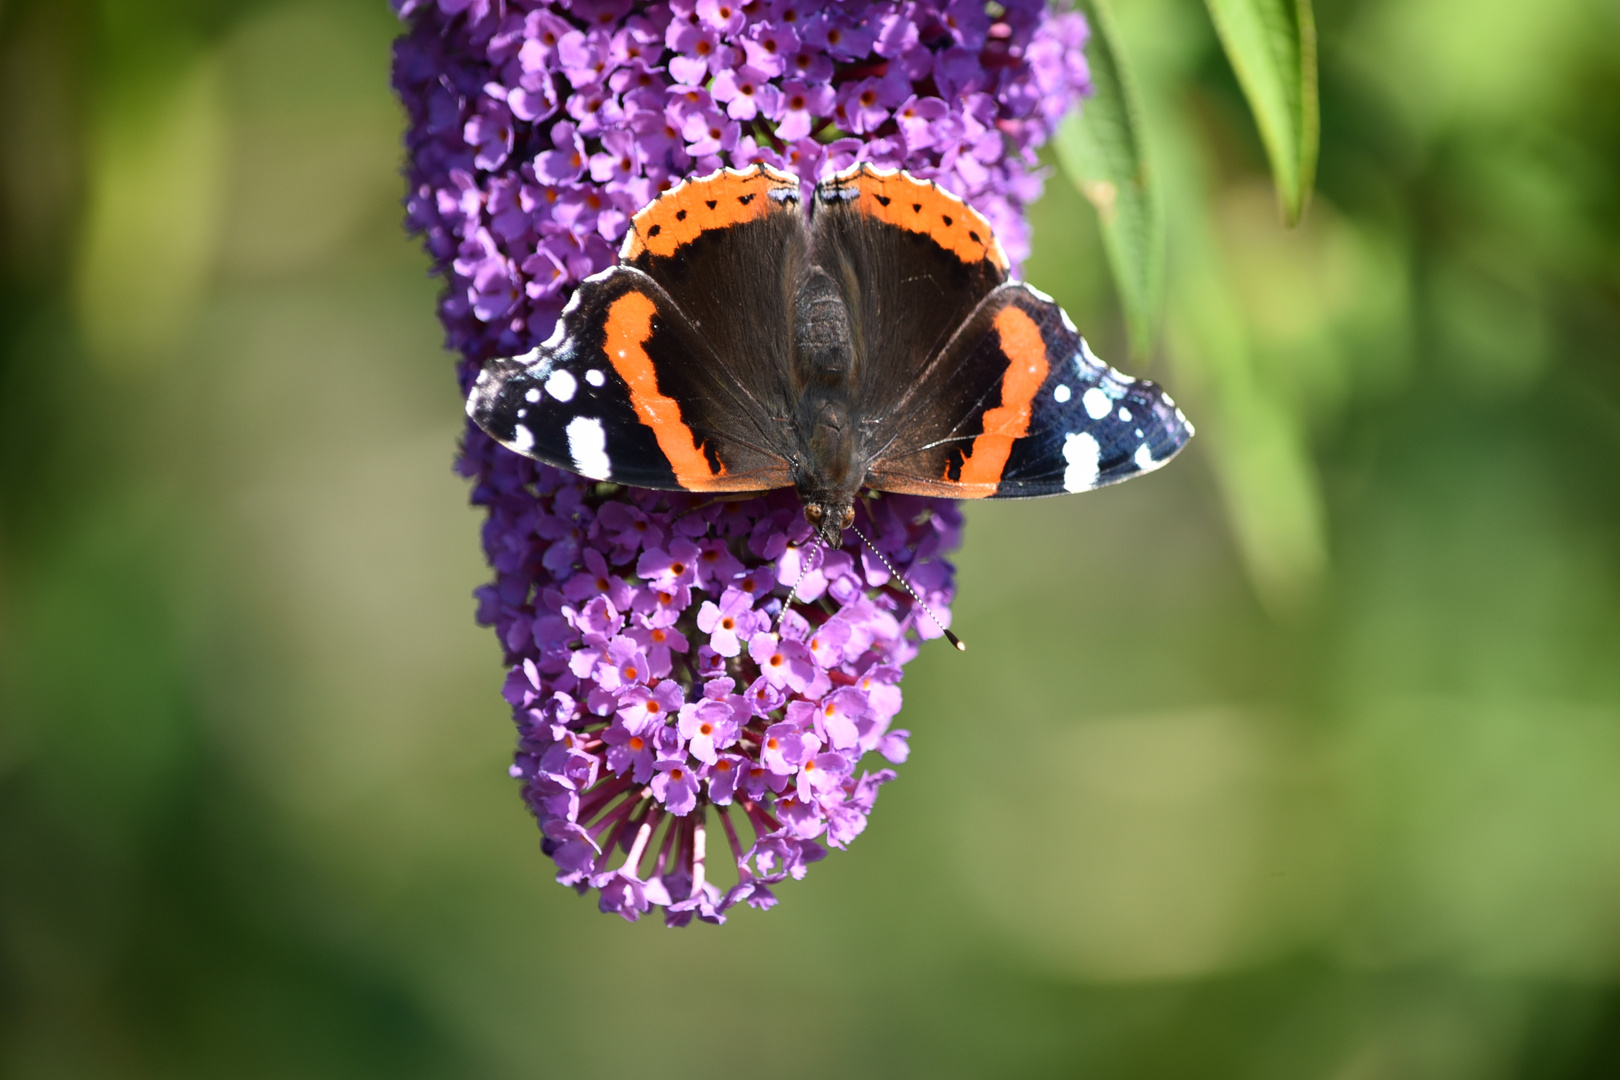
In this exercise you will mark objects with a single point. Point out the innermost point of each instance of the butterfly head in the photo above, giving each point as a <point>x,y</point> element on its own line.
<point>830,518</point>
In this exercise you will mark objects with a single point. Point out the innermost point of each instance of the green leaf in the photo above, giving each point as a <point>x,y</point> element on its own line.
<point>1102,151</point>
<point>1272,46</point>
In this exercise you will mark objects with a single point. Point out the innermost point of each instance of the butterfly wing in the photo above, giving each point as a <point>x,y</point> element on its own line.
<point>628,389</point>
<point>728,249</point>
<point>669,370</point>
<point>910,260</point>
<point>1017,405</point>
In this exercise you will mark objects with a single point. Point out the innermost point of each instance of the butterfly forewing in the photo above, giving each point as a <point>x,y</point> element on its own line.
<point>911,261</point>
<point>627,390</point>
<point>728,249</point>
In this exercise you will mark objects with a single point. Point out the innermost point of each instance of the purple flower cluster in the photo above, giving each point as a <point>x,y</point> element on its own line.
<point>654,675</point>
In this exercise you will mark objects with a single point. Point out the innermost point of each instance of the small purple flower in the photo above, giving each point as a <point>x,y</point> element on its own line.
<point>708,727</point>
<point>728,622</point>
<point>723,775</point>
<point>785,663</point>
<point>657,685</point>
<point>785,747</point>
<point>746,93</point>
<point>642,710</point>
<point>625,665</point>
<point>820,775</point>
<point>838,717</point>
<point>676,786</point>
<point>629,751</point>
<point>801,103</point>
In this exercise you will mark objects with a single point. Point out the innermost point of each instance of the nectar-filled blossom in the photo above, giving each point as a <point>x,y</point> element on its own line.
<point>684,742</point>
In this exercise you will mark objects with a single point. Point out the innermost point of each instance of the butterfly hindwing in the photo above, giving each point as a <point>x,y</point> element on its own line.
<point>1090,425</point>
<point>628,390</point>
<point>1018,406</point>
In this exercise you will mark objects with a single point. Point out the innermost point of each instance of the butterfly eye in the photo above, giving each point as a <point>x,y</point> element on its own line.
<point>813,513</point>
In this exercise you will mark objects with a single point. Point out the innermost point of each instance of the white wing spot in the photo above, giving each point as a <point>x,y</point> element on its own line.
<point>1062,393</point>
<point>1097,403</point>
<point>1083,454</point>
<point>1143,457</point>
<point>1124,415</point>
<point>522,439</point>
<point>532,395</point>
<point>594,377</point>
<point>587,445</point>
<point>561,385</point>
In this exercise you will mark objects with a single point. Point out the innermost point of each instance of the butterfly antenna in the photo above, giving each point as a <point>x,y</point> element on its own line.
<point>804,566</point>
<point>904,584</point>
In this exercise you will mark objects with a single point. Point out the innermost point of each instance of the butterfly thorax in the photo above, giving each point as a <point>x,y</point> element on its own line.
<point>826,472</point>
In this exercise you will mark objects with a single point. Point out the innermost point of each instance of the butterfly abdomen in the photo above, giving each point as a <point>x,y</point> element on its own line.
<point>823,348</point>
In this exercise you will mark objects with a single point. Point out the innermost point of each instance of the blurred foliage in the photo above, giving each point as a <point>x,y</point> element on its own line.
<point>1298,759</point>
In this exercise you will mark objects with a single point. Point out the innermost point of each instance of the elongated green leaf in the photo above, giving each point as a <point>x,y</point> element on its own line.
<point>1102,151</point>
<point>1272,46</point>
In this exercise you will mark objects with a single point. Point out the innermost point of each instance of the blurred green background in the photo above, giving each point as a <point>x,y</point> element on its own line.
<point>1298,759</point>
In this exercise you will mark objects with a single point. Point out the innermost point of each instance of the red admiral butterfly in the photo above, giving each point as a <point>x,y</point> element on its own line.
<point>740,346</point>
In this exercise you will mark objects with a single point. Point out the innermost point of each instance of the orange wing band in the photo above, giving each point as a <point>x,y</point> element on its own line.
<point>1008,422</point>
<point>629,326</point>
<point>676,217</point>
<point>912,204</point>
